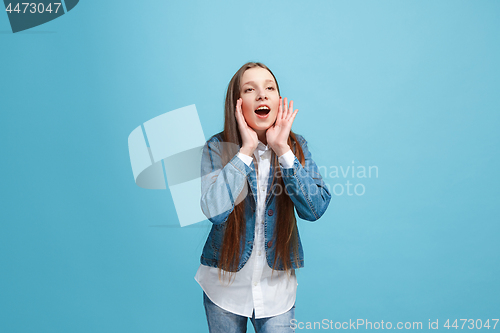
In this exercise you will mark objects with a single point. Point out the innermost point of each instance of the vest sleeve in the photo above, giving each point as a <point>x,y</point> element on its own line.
<point>222,187</point>
<point>306,187</point>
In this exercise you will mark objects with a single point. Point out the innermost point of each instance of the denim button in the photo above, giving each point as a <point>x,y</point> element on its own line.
<point>270,212</point>
<point>269,244</point>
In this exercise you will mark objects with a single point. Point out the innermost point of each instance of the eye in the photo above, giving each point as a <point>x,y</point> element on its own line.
<point>270,88</point>
<point>248,89</point>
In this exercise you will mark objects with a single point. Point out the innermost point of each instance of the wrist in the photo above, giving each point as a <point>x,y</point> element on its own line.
<point>247,151</point>
<point>281,149</point>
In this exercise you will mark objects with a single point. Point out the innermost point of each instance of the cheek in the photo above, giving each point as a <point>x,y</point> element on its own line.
<point>245,106</point>
<point>247,114</point>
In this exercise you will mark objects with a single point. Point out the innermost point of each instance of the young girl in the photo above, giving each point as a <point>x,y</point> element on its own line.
<point>254,173</point>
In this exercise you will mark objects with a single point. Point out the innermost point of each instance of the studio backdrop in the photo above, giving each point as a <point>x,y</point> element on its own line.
<point>105,106</point>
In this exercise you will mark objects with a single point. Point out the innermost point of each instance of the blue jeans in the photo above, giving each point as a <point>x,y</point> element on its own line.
<point>222,321</point>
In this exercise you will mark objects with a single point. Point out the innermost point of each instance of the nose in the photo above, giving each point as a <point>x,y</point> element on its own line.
<point>262,95</point>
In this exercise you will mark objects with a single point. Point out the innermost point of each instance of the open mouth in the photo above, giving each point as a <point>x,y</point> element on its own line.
<point>263,110</point>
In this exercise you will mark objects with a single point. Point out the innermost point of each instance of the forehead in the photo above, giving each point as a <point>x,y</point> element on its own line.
<point>257,75</point>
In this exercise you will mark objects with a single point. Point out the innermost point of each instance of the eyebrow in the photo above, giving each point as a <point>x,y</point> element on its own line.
<point>254,82</point>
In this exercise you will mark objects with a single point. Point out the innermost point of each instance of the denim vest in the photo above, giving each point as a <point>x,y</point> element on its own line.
<point>224,187</point>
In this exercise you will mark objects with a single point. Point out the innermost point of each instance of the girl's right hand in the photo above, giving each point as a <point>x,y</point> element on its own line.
<point>248,134</point>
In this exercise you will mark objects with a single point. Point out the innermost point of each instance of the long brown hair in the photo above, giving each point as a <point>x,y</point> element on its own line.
<point>285,237</point>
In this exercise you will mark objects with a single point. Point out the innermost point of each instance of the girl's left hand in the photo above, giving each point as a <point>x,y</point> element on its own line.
<point>277,135</point>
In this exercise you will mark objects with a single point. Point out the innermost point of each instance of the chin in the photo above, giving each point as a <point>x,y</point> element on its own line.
<point>263,127</point>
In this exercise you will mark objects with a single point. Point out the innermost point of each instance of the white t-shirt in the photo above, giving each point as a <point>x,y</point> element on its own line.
<point>255,286</point>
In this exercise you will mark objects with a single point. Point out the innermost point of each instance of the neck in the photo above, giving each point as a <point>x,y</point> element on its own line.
<point>261,134</point>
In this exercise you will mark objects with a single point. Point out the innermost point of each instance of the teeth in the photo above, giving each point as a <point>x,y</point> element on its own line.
<point>263,108</point>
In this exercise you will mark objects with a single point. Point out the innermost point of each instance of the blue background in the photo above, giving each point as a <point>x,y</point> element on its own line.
<point>408,86</point>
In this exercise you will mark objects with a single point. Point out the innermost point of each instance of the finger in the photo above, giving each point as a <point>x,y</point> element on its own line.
<point>239,114</point>
<point>284,108</point>
<point>285,113</point>
<point>243,122</point>
<point>280,112</point>
<point>237,109</point>
<point>292,118</point>
<point>290,110</point>
<point>238,104</point>
<point>238,118</point>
